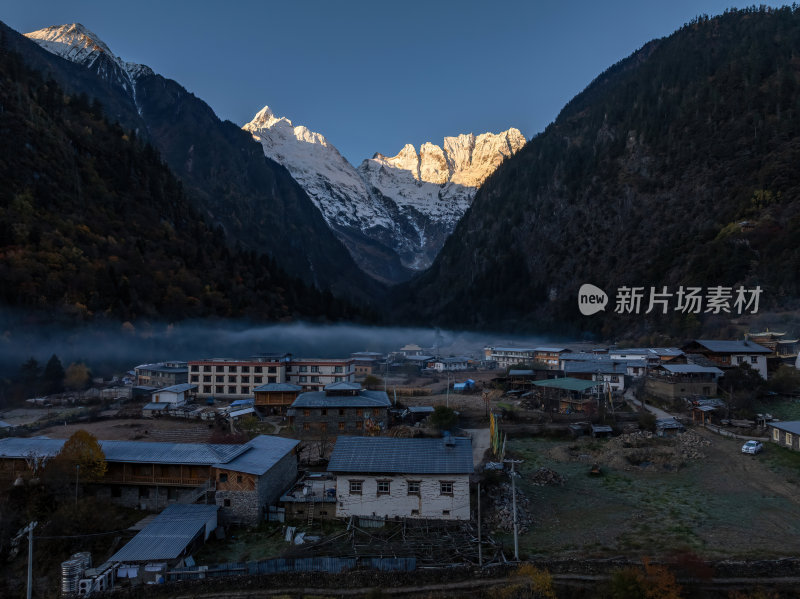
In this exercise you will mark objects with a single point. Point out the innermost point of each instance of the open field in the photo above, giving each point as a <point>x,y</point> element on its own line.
<point>724,504</point>
<point>136,429</point>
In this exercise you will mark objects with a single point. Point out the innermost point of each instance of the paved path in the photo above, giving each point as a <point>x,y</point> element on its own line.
<point>658,412</point>
<point>480,443</point>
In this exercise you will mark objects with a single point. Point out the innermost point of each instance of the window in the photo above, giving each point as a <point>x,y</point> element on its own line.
<point>341,426</point>
<point>303,379</point>
<point>789,439</point>
<point>273,379</point>
<point>355,487</point>
<point>233,368</point>
<point>206,378</point>
<point>223,478</point>
<point>239,479</point>
<point>315,369</point>
<point>231,378</point>
<point>258,369</point>
<point>339,379</point>
<point>306,426</point>
<point>219,389</point>
<point>376,412</point>
<point>303,369</point>
<point>272,370</point>
<point>445,487</point>
<point>219,369</point>
<point>776,434</point>
<point>754,359</point>
<point>614,378</point>
<point>413,487</point>
<point>415,512</point>
<point>740,359</point>
<point>338,369</point>
<point>323,426</point>
<point>195,378</point>
<point>359,425</point>
<point>384,487</point>
<point>245,379</point>
<point>245,390</point>
<point>306,412</point>
<point>195,368</point>
<point>445,512</point>
<point>258,380</point>
<point>341,411</point>
<point>206,388</point>
<point>245,369</point>
<point>232,389</point>
<point>226,502</point>
<point>359,412</point>
<point>206,368</point>
<point>314,379</point>
<point>219,379</point>
<point>324,411</point>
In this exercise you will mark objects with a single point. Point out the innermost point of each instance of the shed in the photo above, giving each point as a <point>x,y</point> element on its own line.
<point>601,430</point>
<point>668,427</point>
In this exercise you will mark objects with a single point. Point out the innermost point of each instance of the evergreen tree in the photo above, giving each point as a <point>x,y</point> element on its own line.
<point>53,378</point>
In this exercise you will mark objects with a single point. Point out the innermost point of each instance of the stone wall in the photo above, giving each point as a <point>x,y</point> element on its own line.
<point>148,497</point>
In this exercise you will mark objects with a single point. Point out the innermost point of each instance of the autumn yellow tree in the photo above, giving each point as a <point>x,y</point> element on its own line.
<point>82,453</point>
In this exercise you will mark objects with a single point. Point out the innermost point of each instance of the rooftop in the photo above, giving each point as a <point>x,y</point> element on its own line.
<point>790,426</point>
<point>364,399</point>
<point>263,453</point>
<point>690,369</point>
<point>567,384</point>
<point>409,456</point>
<point>733,347</point>
<point>182,388</point>
<point>276,387</point>
<point>168,535</point>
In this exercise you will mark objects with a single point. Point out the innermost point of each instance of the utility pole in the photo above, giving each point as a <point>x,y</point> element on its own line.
<point>514,505</point>
<point>77,473</point>
<point>30,528</point>
<point>480,548</point>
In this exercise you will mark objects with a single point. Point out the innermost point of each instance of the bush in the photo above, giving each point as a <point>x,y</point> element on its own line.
<point>647,421</point>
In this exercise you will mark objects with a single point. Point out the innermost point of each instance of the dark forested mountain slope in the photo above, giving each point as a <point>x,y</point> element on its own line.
<point>224,172</point>
<point>643,179</point>
<point>93,224</point>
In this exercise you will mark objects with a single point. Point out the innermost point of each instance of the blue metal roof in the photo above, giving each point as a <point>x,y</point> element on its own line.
<point>168,535</point>
<point>551,349</point>
<point>791,426</point>
<point>130,451</point>
<point>603,367</point>
<point>157,405</point>
<point>242,403</point>
<point>733,347</point>
<point>520,373</point>
<point>269,387</point>
<point>182,388</point>
<point>690,369</point>
<point>262,453</point>
<point>343,386</point>
<point>365,399</point>
<point>407,456</point>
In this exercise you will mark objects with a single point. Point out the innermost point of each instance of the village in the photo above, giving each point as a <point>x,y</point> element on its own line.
<point>411,460</point>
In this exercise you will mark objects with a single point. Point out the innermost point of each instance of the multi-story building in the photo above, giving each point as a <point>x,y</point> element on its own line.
<point>730,354</point>
<point>242,478</point>
<point>224,378</point>
<point>380,477</point>
<point>314,374</point>
<point>549,356</point>
<point>161,374</point>
<point>509,356</point>
<point>341,409</point>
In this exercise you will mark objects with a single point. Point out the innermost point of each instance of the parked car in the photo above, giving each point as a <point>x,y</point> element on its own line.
<point>752,447</point>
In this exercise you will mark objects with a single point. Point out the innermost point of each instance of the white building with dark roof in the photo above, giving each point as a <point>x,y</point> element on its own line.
<point>730,354</point>
<point>340,409</point>
<point>384,477</point>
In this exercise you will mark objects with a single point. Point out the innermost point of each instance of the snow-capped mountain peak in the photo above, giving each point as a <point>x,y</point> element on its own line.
<point>406,204</point>
<point>76,43</point>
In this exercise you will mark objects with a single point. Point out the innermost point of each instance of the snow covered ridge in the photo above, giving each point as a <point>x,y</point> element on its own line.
<point>76,43</point>
<point>408,203</point>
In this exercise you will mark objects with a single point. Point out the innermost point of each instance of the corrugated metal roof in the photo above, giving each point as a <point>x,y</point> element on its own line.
<point>690,369</point>
<point>168,535</point>
<point>182,388</point>
<point>242,412</point>
<point>603,367</point>
<point>278,387</point>
<point>343,386</point>
<point>160,405</point>
<point>567,383</point>
<point>365,399</point>
<point>516,349</point>
<point>262,453</point>
<point>520,373</point>
<point>791,426</point>
<point>410,456</point>
<point>551,349</point>
<point>130,451</point>
<point>733,347</point>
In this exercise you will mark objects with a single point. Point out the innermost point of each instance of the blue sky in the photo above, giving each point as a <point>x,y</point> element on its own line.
<point>373,76</point>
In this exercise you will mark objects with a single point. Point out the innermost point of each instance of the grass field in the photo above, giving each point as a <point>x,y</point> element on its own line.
<point>726,504</point>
